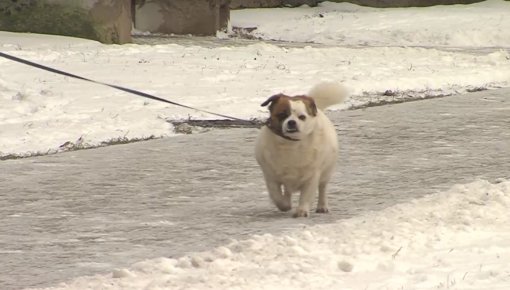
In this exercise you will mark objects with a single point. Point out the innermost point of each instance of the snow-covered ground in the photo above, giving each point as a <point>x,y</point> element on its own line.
<point>482,24</point>
<point>41,111</point>
<point>459,239</point>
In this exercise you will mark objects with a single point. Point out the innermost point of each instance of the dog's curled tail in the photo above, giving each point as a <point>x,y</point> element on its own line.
<point>326,94</point>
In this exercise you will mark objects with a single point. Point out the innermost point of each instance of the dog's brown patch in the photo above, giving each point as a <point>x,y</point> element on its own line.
<point>309,103</point>
<point>279,109</point>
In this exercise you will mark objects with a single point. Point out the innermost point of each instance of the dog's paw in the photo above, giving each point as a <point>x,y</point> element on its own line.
<point>322,210</point>
<point>283,206</point>
<point>300,213</point>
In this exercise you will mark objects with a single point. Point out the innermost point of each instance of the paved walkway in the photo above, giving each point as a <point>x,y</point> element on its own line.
<point>87,212</point>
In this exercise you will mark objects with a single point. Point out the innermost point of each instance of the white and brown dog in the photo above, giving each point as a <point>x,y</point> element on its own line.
<point>297,148</point>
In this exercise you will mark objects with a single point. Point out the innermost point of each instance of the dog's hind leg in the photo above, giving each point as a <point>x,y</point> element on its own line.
<point>287,194</point>
<point>282,201</point>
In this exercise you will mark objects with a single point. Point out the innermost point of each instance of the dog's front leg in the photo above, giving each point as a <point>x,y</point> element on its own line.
<point>307,195</point>
<point>322,205</point>
<point>281,201</point>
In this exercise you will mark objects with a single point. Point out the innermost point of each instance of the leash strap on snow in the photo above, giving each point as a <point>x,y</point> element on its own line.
<point>128,90</point>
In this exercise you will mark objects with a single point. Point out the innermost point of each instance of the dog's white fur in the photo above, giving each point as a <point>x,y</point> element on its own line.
<point>306,163</point>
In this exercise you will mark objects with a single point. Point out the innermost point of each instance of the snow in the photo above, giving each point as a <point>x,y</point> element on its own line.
<point>40,111</point>
<point>457,239</point>
<point>478,25</point>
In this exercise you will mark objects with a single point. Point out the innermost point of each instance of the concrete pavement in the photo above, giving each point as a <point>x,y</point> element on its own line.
<point>87,212</point>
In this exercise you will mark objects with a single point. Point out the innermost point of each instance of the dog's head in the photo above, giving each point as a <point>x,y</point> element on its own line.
<point>291,117</point>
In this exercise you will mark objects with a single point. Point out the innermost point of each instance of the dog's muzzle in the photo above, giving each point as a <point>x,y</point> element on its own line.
<point>291,127</point>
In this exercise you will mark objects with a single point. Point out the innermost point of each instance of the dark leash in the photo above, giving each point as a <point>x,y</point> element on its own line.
<point>128,90</point>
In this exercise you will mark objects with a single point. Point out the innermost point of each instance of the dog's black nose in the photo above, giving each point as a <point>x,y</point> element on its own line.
<point>291,124</point>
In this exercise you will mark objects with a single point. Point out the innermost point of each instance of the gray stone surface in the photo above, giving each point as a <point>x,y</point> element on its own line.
<point>197,17</point>
<point>87,212</point>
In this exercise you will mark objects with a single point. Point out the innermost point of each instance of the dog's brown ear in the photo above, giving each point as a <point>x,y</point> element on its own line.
<point>313,107</point>
<point>271,100</point>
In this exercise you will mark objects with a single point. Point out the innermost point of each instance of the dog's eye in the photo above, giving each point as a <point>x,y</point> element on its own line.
<point>282,116</point>
<point>302,117</point>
